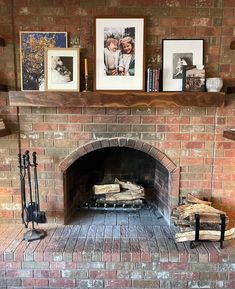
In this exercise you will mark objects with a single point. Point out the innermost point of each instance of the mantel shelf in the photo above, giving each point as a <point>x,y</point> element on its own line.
<point>115,99</point>
<point>4,132</point>
<point>229,134</point>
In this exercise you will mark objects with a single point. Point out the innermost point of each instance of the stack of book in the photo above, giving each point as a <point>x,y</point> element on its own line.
<point>2,124</point>
<point>153,79</point>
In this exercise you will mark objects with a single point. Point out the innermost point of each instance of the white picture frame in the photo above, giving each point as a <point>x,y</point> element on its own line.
<point>126,77</point>
<point>178,52</point>
<point>62,69</point>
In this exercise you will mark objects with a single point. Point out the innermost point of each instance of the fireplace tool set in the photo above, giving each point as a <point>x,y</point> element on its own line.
<point>30,197</point>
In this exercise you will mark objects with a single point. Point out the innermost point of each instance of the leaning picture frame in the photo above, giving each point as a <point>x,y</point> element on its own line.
<point>32,45</point>
<point>176,53</point>
<point>119,54</point>
<point>62,69</point>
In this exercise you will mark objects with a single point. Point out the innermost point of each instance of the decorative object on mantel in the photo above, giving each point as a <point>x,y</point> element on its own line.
<point>193,77</point>
<point>119,54</point>
<point>198,221</point>
<point>214,84</point>
<point>176,53</point>
<point>30,200</point>
<point>86,75</point>
<point>62,69</point>
<point>32,46</point>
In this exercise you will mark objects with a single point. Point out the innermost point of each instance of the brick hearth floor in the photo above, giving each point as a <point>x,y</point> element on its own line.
<point>112,250</point>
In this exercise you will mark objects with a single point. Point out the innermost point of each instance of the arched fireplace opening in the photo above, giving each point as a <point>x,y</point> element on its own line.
<point>106,161</point>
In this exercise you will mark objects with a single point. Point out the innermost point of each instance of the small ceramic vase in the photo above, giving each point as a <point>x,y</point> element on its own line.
<point>214,84</point>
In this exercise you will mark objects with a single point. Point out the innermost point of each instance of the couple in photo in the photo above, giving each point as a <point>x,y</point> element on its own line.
<point>119,56</point>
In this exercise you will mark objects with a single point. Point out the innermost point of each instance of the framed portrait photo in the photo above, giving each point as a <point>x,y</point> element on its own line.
<point>62,69</point>
<point>119,54</point>
<point>176,53</point>
<point>32,45</point>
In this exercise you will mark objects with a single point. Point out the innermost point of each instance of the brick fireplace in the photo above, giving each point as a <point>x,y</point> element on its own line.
<point>101,161</point>
<point>187,141</point>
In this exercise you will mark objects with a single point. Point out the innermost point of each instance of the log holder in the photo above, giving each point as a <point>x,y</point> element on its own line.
<point>197,230</point>
<point>30,202</point>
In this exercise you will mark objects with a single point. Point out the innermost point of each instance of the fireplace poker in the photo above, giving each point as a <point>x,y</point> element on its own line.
<point>32,205</point>
<point>22,186</point>
<point>39,215</point>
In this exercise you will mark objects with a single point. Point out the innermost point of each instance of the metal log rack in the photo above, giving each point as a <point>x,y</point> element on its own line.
<point>197,230</point>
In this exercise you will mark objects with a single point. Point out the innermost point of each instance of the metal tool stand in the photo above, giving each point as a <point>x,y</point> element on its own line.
<point>197,230</point>
<point>31,210</point>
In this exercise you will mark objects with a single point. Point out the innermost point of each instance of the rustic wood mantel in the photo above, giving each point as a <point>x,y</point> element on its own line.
<point>229,134</point>
<point>115,99</point>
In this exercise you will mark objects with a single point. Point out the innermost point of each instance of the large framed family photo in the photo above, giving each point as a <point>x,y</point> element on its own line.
<point>32,45</point>
<point>119,54</point>
<point>62,69</point>
<point>176,53</point>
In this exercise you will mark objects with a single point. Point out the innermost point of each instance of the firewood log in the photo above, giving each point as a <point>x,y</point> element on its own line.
<point>129,195</point>
<point>128,185</point>
<point>189,210</point>
<point>204,235</point>
<point>194,200</point>
<point>105,189</point>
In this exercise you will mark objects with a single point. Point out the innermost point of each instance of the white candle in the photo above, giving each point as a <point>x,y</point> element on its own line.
<point>86,67</point>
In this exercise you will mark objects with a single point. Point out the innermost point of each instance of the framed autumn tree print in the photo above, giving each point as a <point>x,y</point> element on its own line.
<point>32,45</point>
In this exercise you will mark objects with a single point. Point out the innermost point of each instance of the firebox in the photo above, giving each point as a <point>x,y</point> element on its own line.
<point>109,161</point>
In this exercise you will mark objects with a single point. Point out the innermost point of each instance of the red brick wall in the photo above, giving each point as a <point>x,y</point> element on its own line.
<point>191,137</point>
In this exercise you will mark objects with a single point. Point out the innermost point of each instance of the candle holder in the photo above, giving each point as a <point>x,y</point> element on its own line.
<point>86,84</point>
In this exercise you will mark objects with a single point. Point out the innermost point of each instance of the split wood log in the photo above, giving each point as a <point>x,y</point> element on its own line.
<point>205,235</point>
<point>128,185</point>
<point>125,196</point>
<point>105,189</point>
<point>204,219</point>
<point>194,200</point>
<point>189,211</point>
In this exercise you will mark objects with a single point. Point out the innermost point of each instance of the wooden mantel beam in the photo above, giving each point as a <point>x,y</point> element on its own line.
<point>116,99</point>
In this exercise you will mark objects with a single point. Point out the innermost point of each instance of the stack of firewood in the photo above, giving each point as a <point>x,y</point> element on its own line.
<point>119,193</point>
<point>184,217</point>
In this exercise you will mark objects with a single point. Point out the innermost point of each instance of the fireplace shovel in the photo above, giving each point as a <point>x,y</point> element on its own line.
<point>31,210</point>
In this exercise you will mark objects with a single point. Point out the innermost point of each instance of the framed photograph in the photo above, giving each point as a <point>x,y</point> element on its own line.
<point>62,69</point>
<point>176,53</point>
<point>119,54</point>
<point>32,45</point>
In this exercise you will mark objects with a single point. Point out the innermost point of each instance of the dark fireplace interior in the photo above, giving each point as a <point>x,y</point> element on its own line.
<point>102,166</point>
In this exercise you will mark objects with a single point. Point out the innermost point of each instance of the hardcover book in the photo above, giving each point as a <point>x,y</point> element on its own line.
<point>153,79</point>
<point>193,77</point>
